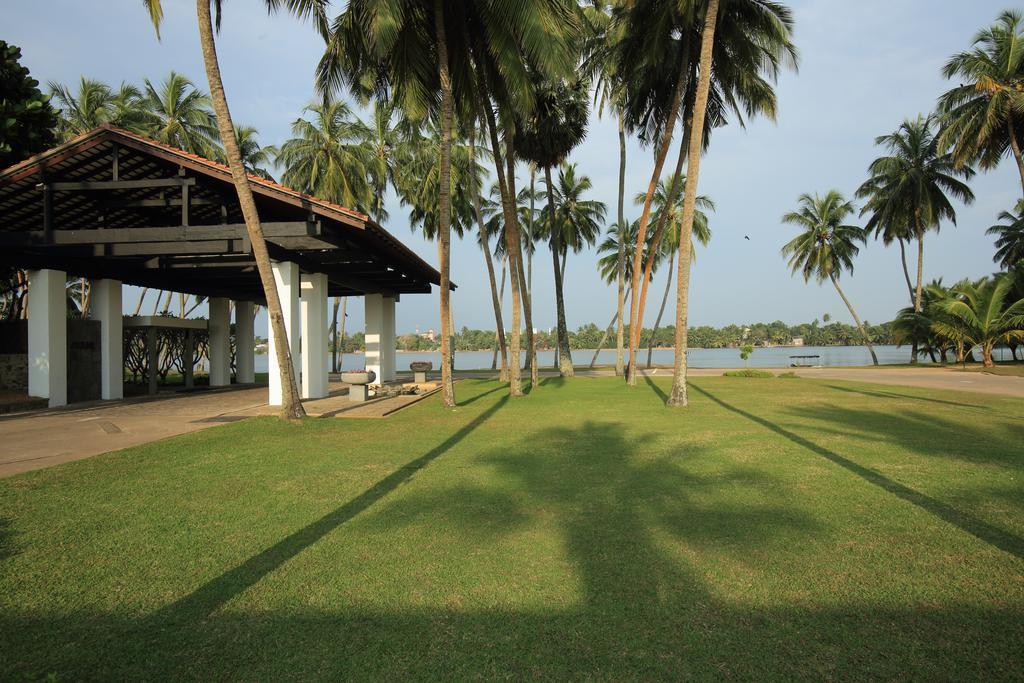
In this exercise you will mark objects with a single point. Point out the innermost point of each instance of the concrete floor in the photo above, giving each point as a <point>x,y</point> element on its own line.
<point>40,439</point>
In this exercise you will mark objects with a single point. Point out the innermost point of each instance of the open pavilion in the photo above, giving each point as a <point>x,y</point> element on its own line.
<point>119,209</point>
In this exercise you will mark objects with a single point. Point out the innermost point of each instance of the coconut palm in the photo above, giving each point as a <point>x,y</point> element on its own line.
<point>557,124</point>
<point>983,314</point>
<point>484,234</point>
<point>443,56</point>
<point>826,246</point>
<point>383,139</point>
<point>181,115</point>
<point>325,155</point>
<point>912,187</point>
<point>981,117</point>
<point>669,213</point>
<point>83,111</point>
<point>291,404</point>
<point>254,157</point>
<point>658,59</point>
<point>1009,234</point>
<point>602,36</point>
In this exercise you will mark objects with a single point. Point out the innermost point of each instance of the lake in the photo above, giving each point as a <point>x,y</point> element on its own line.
<point>774,357</point>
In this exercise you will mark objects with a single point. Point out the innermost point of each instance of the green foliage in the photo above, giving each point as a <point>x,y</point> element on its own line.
<point>827,246</point>
<point>789,374</point>
<point>1009,235</point>
<point>745,351</point>
<point>748,372</point>
<point>27,121</point>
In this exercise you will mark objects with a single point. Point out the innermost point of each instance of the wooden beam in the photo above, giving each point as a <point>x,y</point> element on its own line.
<point>119,184</point>
<point>179,233</point>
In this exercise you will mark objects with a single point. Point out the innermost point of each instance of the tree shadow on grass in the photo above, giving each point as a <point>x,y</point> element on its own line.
<point>654,386</point>
<point>211,596</point>
<point>994,536</point>
<point>647,542</point>
<point>910,397</point>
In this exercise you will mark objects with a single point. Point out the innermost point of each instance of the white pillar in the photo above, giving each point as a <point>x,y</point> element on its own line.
<point>314,335</point>
<point>106,307</point>
<point>286,277</point>
<point>374,304</point>
<point>387,340</point>
<point>219,345</point>
<point>245,342</point>
<point>48,336</point>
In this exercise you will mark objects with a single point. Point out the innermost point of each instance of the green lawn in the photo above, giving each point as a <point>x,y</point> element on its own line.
<point>777,528</point>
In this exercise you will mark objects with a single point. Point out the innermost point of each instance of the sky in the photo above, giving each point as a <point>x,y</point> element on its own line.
<point>865,66</point>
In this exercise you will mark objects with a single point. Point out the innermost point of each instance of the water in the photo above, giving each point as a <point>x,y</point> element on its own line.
<point>774,357</point>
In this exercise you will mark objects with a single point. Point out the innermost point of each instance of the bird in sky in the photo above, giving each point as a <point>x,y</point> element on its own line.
<point>746,237</point>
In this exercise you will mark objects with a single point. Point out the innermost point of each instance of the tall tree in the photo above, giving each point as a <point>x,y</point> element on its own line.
<point>826,246</point>
<point>291,405</point>
<point>1009,234</point>
<point>557,124</point>
<point>326,157</point>
<point>27,120</point>
<point>669,211</point>
<point>383,141</point>
<point>982,117</point>
<point>255,157</point>
<point>180,115</point>
<point>912,186</point>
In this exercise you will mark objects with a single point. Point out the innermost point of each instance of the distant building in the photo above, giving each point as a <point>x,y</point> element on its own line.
<point>429,335</point>
<point>798,341</point>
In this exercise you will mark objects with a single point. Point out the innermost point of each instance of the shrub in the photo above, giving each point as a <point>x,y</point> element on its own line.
<point>748,373</point>
<point>787,375</point>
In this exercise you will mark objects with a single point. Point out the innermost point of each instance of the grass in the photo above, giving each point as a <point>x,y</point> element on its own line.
<point>775,529</point>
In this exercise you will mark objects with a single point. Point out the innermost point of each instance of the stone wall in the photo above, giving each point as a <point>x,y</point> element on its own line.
<point>14,356</point>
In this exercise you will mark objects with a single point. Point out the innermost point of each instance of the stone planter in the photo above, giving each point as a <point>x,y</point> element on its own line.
<point>420,368</point>
<point>358,378</point>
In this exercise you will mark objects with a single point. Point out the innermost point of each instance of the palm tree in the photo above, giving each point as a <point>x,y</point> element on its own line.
<point>983,314</point>
<point>326,157</point>
<point>484,233</point>
<point>254,157</point>
<point>982,116</point>
<point>827,246</point>
<point>383,140</point>
<point>83,111</point>
<point>557,124</point>
<point>1009,237</point>
<point>911,187</point>
<point>181,115</point>
<point>658,59</point>
<point>668,212</point>
<point>291,404</point>
<point>602,37</point>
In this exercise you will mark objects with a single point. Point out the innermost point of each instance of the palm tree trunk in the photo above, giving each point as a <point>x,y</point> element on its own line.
<point>341,335</point>
<point>156,304</point>
<point>604,338</point>
<point>494,360</point>
<point>663,219</point>
<point>661,312</point>
<point>635,323</point>
<point>291,407</point>
<point>142,297</point>
<point>621,301</point>
<point>85,292</point>
<point>1015,146</point>
<point>512,247</point>
<point>856,319</point>
<point>677,396</point>
<point>443,204</point>
<point>906,271</point>
<point>486,248</point>
<point>334,332</point>
<point>530,236</point>
<point>986,355</point>
<point>564,355</point>
<point>531,341</point>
